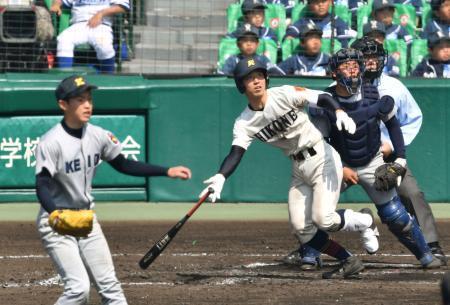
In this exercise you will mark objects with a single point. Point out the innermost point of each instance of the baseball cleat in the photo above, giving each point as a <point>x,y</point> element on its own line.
<point>348,268</point>
<point>369,236</point>
<point>434,264</point>
<point>293,258</point>
<point>439,254</point>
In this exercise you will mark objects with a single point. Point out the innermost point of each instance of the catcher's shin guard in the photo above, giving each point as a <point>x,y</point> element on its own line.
<point>406,229</point>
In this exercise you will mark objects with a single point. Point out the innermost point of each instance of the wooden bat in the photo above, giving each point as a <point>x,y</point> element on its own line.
<point>165,240</point>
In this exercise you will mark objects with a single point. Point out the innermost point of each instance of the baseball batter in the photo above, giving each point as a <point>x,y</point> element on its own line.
<point>91,22</point>
<point>277,116</point>
<point>66,160</point>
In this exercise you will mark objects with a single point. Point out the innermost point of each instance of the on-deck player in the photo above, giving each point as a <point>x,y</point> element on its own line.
<point>66,159</point>
<point>90,22</point>
<point>277,116</point>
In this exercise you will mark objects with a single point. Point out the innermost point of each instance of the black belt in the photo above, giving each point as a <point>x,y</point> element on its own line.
<point>300,155</point>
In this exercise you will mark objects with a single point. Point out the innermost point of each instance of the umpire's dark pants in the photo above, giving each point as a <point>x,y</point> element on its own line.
<point>414,200</point>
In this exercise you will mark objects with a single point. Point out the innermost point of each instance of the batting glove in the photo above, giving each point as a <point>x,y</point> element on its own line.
<point>216,183</point>
<point>343,120</point>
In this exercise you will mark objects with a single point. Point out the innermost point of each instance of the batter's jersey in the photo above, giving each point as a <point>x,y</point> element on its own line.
<point>282,123</point>
<point>83,10</point>
<point>72,162</point>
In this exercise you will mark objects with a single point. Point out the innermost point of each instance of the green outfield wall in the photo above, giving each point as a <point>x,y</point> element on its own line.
<point>189,121</point>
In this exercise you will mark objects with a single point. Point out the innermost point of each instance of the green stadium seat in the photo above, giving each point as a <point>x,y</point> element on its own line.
<point>228,47</point>
<point>419,49</point>
<point>301,10</point>
<point>427,13</point>
<point>399,49</point>
<point>292,46</point>
<point>275,18</point>
<point>405,15</point>
<point>362,17</point>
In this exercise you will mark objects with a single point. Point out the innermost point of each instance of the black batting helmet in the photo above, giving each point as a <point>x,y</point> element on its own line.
<point>371,48</point>
<point>246,66</point>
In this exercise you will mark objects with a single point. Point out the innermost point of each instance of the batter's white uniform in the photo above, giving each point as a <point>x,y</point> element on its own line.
<point>100,37</point>
<point>316,180</point>
<point>72,163</point>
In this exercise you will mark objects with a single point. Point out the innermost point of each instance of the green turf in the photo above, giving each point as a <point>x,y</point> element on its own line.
<point>175,211</point>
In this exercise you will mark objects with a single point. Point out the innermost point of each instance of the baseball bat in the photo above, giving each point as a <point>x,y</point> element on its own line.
<point>165,240</point>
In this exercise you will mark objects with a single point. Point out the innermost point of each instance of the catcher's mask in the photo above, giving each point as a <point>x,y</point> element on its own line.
<point>245,67</point>
<point>342,56</point>
<point>370,48</point>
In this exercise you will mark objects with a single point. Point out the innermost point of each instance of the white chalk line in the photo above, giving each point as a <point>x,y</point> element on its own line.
<point>202,254</point>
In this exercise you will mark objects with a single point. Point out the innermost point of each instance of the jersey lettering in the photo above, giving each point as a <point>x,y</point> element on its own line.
<point>75,165</point>
<point>275,127</point>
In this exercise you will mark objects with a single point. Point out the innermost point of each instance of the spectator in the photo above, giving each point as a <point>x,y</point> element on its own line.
<point>440,21</point>
<point>437,63</point>
<point>310,60</point>
<point>383,11</point>
<point>247,42</point>
<point>253,12</point>
<point>91,22</point>
<point>318,14</point>
<point>377,31</point>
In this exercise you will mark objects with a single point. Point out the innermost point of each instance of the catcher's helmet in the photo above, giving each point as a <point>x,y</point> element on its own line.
<point>344,55</point>
<point>246,66</point>
<point>371,48</point>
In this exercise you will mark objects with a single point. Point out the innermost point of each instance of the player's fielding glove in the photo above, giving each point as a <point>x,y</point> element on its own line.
<point>76,223</point>
<point>389,175</point>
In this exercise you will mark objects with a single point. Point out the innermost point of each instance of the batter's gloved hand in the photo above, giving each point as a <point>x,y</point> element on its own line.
<point>216,183</point>
<point>76,223</point>
<point>344,121</point>
<point>390,175</point>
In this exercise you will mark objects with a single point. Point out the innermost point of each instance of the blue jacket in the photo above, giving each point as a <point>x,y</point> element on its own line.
<point>300,64</point>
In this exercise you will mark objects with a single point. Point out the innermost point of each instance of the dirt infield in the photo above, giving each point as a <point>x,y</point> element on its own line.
<point>221,263</point>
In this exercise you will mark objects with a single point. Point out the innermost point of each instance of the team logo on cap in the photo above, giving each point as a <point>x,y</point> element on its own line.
<point>113,138</point>
<point>79,81</point>
<point>251,63</point>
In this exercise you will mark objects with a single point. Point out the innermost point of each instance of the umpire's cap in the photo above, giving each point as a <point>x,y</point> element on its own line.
<point>72,86</point>
<point>246,66</point>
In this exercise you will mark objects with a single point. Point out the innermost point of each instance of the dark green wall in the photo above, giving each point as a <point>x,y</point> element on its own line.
<point>189,121</point>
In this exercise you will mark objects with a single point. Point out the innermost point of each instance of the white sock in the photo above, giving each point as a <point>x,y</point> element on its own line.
<point>356,221</point>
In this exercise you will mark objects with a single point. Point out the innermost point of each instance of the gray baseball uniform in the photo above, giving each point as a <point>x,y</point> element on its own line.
<point>72,163</point>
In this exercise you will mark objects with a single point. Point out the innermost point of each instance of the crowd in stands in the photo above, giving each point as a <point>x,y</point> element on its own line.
<point>298,38</point>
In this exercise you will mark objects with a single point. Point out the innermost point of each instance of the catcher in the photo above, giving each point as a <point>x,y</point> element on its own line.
<point>361,155</point>
<point>66,159</point>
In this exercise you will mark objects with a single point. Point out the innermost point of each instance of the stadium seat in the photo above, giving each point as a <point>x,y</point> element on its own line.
<point>362,17</point>
<point>427,13</point>
<point>405,15</point>
<point>292,46</point>
<point>275,18</point>
<point>399,50</point>
<point>228,47</point>
<point>419,49</point>
<point>301,10</point>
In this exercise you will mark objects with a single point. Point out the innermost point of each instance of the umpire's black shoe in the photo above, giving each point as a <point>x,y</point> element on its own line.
<point>438,253</point>
<point>348,268</point>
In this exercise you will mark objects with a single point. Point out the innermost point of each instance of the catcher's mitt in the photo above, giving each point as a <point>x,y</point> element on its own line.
<point>77,223</point>
<point>388,176</point>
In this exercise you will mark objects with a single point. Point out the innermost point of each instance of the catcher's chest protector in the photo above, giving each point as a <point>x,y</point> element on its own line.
<point>359,148</point>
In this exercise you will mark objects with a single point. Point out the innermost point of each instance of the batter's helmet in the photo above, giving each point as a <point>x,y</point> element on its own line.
<point>245,67</point>
<point>370,47</point>
<point>344,55</point>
